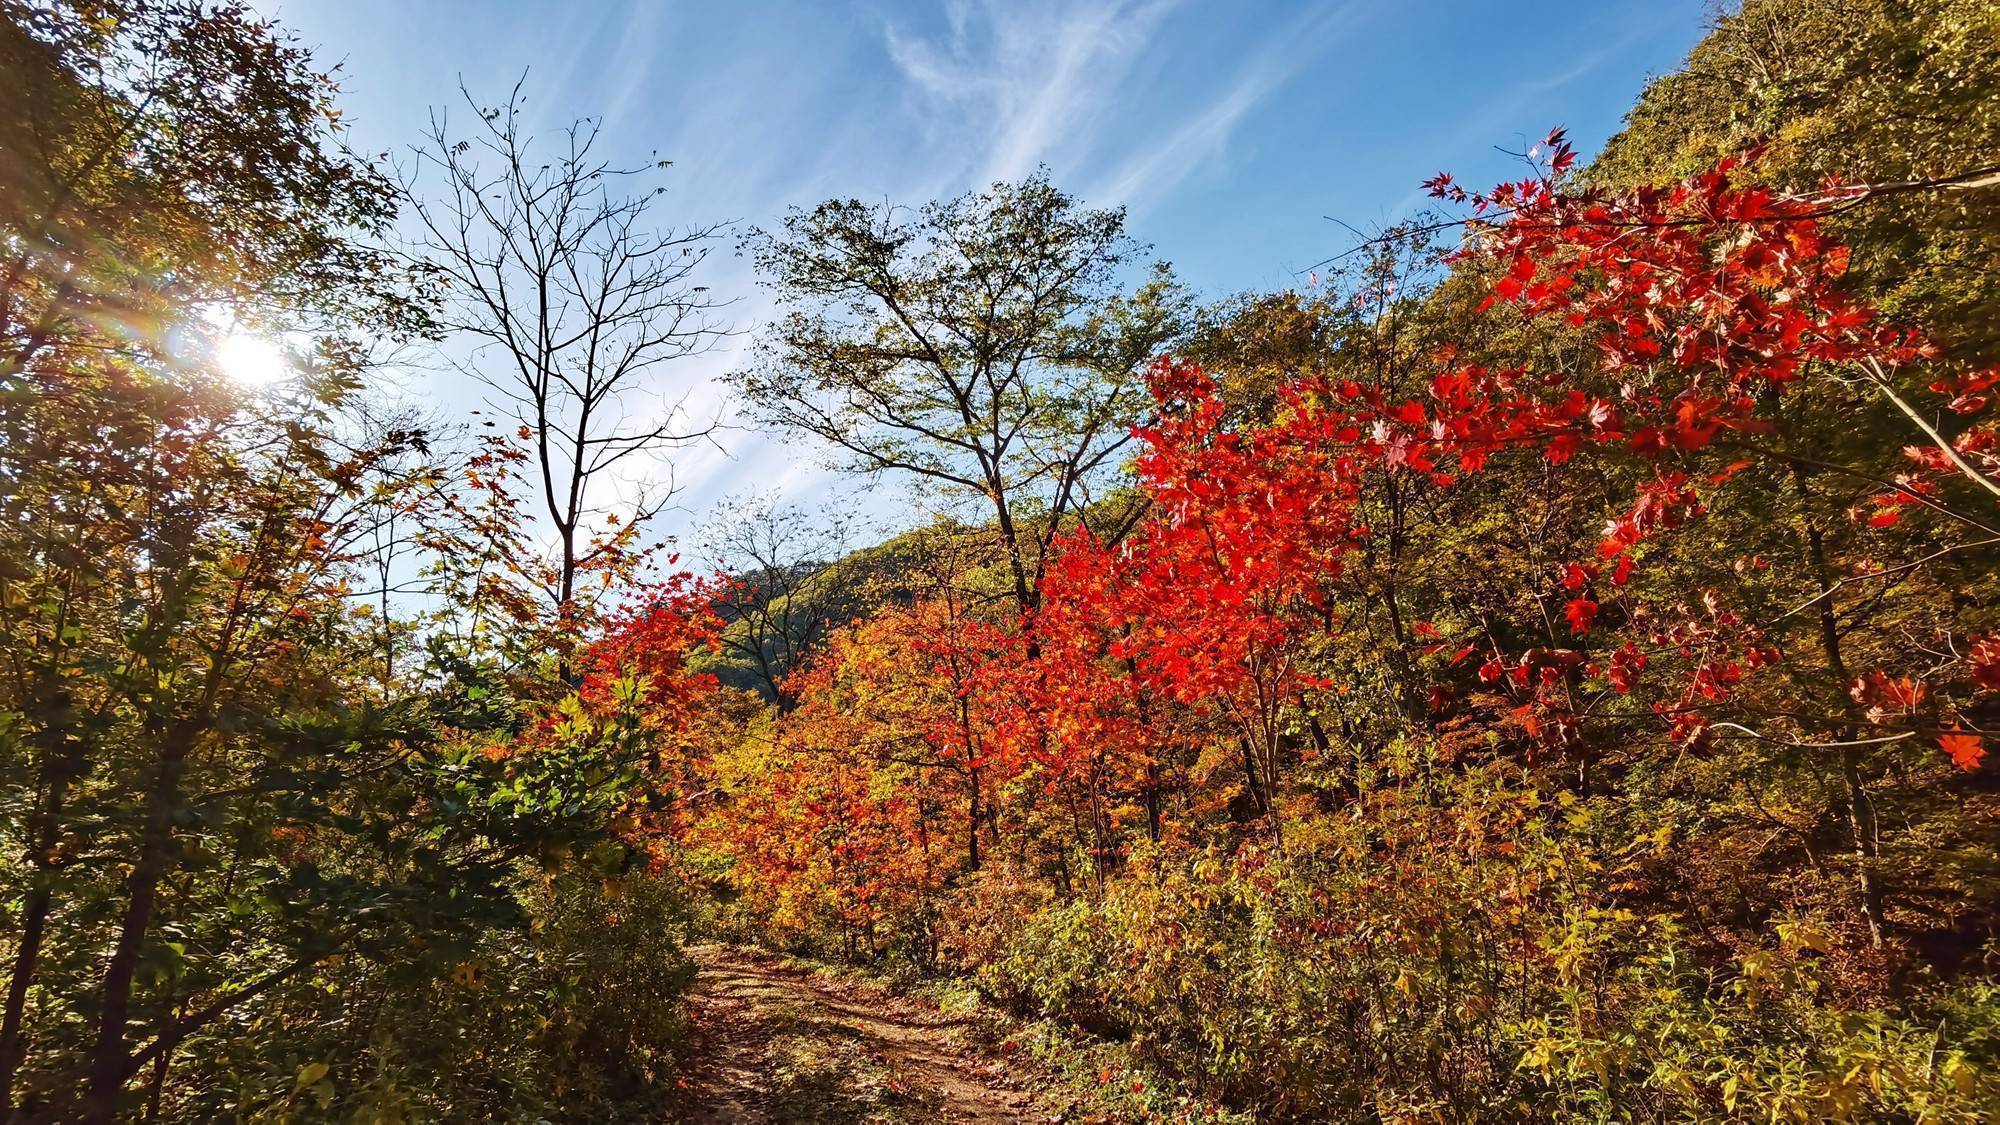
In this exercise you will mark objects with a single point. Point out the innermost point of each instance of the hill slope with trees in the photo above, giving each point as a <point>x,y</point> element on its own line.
<point>1548,670</point>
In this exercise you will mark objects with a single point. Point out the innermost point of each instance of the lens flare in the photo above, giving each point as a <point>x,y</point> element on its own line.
<point>252,360</point>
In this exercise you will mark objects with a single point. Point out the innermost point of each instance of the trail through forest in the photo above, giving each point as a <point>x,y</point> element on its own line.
<point>773,1043</point>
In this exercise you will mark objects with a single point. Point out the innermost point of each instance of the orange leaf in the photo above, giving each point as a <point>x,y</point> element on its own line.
<point>1965,749</point>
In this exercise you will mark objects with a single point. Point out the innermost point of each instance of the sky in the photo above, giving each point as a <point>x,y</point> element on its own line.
<point>1236,133</point>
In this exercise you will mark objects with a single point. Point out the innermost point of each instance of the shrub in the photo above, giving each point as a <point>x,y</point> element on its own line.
<point>1448,948</point>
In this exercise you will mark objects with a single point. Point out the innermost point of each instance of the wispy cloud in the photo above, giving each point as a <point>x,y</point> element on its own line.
<point>1162,164</point>
<point>1026,83</point>
<point>1021,83</point>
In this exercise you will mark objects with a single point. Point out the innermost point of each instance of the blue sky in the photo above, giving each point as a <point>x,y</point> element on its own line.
<point>1230,130</point>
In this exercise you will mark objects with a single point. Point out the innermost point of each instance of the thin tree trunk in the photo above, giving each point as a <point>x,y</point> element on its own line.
<point>972,821</point>
<point>34,925</point>
<point>162,1063</point>
<point>1152,799</point>
<point>1100,827</point>
<point>1251,782</point>
<point>61,765</point>
<point>109,1064</point>
<point>1024,591</point>
<point>1867,851</point>
<point>1860,807</point>
<point>13,1044</point>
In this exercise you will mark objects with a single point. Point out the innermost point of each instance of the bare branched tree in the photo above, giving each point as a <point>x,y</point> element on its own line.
<point>575,302</point>
<point>790,589</point>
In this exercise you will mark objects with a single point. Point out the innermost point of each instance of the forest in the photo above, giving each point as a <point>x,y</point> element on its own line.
<point>1545,666</point>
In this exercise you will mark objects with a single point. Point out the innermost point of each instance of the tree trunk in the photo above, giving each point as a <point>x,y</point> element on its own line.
<point>1250,779</point>
<point>1860,807</point>
<point>1024,591</point>
<point>109,1063</point>
<point>972,821</point>
<point>13,1044</point>
<point>1152,799</point>
<point>1861,821</point>
<point>59,768</point>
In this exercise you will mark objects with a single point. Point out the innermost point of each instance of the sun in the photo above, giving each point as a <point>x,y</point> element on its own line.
<point>252,360</point>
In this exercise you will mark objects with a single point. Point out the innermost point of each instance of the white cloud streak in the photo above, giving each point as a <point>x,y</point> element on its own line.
<point>1021,84</point>
<point>1014,85</point>
<point>1160,167</point>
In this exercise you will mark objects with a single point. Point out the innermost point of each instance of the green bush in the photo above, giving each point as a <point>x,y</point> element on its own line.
<point>575,1016</point>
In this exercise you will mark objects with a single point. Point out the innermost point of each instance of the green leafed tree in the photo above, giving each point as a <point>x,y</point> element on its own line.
<point>162,161</point>
<point>989,344</point>
<point>226,845</point>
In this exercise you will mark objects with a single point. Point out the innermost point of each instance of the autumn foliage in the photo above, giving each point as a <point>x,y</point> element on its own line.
<point>1234,699</point>
<point>1546,668</point>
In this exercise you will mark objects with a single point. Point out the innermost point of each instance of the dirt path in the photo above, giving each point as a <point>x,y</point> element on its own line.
<point>777,1044</point>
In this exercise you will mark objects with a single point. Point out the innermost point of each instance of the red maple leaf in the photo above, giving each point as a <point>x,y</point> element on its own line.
<point>1985,661</point>
<point>1965,749</point>
<point>1580,612</point>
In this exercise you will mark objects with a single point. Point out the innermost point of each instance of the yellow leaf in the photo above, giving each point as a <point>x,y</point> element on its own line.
<point>1961,1075</point>
<point>311,1073</point>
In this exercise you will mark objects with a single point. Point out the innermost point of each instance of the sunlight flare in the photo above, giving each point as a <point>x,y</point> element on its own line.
<point>252,360</point>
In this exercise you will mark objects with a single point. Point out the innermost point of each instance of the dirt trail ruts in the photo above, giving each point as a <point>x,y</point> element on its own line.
<point>770,1043</point>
